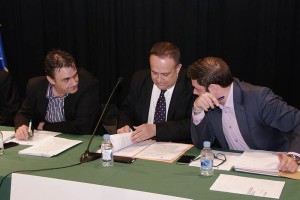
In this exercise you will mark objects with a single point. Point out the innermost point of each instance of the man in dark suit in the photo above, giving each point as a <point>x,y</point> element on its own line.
<point>65,100</point>
<point>138,112</point>
<point>241,116</point>
<point>9,101</point>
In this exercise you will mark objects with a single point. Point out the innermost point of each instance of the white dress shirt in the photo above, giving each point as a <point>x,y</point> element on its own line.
<point>154,97</point>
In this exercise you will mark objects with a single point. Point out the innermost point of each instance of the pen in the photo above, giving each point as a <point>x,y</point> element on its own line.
<point>29,129</point>
<point>220,98</point>
<point>197,158</point>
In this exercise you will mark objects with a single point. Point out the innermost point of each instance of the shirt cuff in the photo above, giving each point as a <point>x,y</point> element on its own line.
<point>198,118</point>
<point>294,153</point>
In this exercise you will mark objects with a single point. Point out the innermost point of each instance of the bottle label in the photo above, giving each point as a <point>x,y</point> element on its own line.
<point>107,154</point>
<point>206,164</point>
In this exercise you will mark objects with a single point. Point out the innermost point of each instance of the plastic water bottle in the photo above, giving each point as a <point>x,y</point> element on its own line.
<point>107,151</point>
<point>206,160</point>
<point>1,144</point>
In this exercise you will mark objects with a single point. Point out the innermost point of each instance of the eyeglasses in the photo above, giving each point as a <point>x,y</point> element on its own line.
<point>219,158</point>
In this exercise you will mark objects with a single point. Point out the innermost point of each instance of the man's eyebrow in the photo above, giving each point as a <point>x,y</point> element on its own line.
<point>161,73</point>
<point>71,76</point>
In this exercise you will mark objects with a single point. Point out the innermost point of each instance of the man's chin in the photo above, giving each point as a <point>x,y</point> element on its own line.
<point>73,91</point>
<point>162,87</point>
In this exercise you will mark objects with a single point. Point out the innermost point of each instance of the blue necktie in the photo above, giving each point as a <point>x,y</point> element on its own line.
<point>160,109</point>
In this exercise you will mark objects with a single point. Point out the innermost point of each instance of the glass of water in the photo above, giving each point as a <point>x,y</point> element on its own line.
<point>1,144</point>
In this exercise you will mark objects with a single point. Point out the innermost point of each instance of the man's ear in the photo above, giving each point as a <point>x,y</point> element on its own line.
<point>178,67</point>
<point>51,81</point>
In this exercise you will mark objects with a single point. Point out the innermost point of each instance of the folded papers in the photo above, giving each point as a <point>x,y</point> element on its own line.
<point>262,162</point>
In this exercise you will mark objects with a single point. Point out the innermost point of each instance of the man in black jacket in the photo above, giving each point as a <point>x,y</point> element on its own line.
<point>138,111</point>
<point>9,101</point>
<point>65,100</point>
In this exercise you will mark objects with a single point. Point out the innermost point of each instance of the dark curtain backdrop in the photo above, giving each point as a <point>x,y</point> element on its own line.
<point>259,39</point>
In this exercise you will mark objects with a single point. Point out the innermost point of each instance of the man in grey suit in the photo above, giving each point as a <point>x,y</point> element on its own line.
<point>139,108</point>
<point>241,116</point>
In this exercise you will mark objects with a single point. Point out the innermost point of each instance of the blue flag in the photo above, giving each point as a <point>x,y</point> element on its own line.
<point>3,65</point>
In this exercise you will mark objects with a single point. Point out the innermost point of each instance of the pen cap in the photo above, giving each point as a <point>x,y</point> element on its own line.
<point>206,144</point>
<point>106,136</point>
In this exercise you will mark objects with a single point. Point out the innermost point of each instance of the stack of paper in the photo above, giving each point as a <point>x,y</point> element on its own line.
<point>261,162</point>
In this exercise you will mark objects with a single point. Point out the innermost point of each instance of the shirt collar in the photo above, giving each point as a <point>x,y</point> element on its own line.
<point>50,95</point>
<point>168,91</point>
<point>229,100</point>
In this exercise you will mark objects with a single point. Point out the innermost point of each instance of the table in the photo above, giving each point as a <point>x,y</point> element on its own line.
<point>143,175</point>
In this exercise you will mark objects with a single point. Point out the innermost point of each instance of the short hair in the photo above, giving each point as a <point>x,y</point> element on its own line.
<point>57,59</point>
<point>210,70</point>
<point>166,49</point>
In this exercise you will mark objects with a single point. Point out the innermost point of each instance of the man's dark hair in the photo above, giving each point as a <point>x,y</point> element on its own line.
<point>57,59</point>
<point>166,49</point>
<point>210,70</point>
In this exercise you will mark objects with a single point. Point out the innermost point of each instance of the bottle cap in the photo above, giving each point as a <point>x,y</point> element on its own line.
<point>106,136</point>
<point>206,144</point>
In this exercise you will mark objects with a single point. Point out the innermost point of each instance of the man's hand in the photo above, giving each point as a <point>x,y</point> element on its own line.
<point>206,101</point>
<point>124,129</point>
<point>22,133</point>
<point>41,126</point>
<point>286,163</point>
<point>143,132</point>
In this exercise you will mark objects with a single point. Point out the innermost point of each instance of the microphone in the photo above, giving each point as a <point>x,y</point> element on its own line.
<point>88,156</point>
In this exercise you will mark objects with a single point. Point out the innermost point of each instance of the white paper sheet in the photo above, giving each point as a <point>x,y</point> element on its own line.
<point>134,149</point>
<point>120,140</point>
<point>50,147</point>
<point>7,135</point>
<point>39,137</point>
<point>163,151</point>
<point>248,186</point>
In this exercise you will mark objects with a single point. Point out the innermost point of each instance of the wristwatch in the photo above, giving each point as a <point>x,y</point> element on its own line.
<point>295,158</point>
<point>197,112</point>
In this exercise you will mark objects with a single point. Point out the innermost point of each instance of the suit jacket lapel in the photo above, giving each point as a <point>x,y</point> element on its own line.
<point>241,115</point>
<point>177,92</point>
<point>146,95</point>
<point>216,118</point>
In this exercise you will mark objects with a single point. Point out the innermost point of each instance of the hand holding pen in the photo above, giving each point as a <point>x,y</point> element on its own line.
<point>29,130</point>
<point>207,101</point>
<point>24,132</point>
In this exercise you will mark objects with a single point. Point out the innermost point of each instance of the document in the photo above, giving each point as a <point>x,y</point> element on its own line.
<point>231,159</point>
<point>149,149</point>
<point>7,135</point>
<point>38,137</point>
<point>257,160</point>
<point>248,186</point>
<point>262,162</point>
<point>50,147</point>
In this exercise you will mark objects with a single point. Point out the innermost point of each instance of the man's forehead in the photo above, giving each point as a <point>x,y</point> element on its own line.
<point>65,72</point>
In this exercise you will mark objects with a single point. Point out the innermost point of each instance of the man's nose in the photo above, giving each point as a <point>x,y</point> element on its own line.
<point>159,78</point>
<point>195,92</point>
